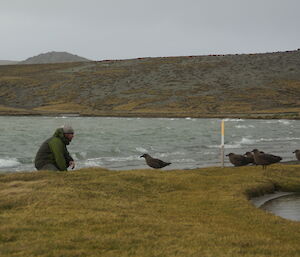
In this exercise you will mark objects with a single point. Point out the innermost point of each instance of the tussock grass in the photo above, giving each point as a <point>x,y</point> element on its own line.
<point>97,212</point>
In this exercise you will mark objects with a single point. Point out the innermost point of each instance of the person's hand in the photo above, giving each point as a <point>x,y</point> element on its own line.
<point>72,164</point>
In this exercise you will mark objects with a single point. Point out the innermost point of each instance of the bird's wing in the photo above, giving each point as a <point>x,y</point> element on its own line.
<point>239,158</point>
<point>274,158</point>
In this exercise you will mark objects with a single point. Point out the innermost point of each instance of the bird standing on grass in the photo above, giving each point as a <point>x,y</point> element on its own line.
<point>237,159</point>
<point>264,159</point>
<point>154,163</point>
<point>249,156</point>
<point>297,153</point>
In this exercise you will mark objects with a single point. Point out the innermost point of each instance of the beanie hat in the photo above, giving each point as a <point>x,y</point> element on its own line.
<point>68,129</point>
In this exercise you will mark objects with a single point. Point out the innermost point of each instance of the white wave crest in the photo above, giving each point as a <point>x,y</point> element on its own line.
<point>213,146</point>
<point>121,159</point>
<point>232,146</point>
<point>141,149</point>
<point>225,146</point>
<point>161,155</point>
<point>109,159</point>
<point>93,162</point>
<point>237,144</point>
<point>285,122</point>
<point>244,126</point>
<point>278,139</point>
<point>9,162</point>
<point>228,119</point>
<point>247,141</point>
<point>208,152</point>
<point>183,160</point>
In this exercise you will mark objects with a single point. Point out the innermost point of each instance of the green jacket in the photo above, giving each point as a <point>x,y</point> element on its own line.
<point>54,151</point>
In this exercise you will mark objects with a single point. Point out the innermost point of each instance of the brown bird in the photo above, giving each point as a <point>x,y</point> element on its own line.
<point>297,153</point>
<point>154,163</point>
<point>237,159</point>
<point>249,156</point>
<point>264,159</point>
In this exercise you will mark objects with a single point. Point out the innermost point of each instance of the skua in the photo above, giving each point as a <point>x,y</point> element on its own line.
<point>238,159</point>
<point>153,162</point>
<point>264,159</point>
<point>297,153</point>
<point>250,158</point>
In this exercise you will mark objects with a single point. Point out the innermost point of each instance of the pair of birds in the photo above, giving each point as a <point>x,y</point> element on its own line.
<point>241,160</point>
<point>255,157</point>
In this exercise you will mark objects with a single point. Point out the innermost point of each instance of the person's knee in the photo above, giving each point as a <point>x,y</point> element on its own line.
<point>49,167</point>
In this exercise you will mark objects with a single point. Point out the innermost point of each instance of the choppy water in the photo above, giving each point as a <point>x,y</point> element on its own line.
<point>117,143</point>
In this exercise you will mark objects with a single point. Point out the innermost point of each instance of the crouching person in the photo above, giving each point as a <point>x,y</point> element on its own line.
<point>53,153</point>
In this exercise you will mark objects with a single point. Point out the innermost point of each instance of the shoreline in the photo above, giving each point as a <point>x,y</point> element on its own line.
<point>284,163</point>
<point>259,201</point>
<point>265,115</point>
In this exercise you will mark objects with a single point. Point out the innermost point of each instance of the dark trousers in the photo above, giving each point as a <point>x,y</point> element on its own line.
<point>49,166</point>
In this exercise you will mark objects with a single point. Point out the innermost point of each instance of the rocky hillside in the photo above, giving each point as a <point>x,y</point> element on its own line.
<point>54,57</point>
<point>255,85</point>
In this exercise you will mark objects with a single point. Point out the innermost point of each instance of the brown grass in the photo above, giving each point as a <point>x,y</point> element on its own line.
<point>97,212</point>
<point>199,86</point>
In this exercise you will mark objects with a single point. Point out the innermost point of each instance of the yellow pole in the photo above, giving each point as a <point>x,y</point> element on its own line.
<point>222,143</point>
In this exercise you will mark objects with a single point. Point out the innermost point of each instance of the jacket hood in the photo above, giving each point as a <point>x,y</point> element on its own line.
<point>60,134</point>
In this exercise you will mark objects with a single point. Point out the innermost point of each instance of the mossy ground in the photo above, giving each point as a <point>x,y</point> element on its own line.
<point>97,212</point>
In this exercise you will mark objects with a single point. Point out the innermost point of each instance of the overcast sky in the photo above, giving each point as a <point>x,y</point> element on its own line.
<point>124,29</point>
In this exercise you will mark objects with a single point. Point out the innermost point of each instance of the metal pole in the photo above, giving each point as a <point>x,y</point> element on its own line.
<point>222,143</point>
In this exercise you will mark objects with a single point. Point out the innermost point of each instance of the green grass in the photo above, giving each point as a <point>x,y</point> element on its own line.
<point>97,212</point>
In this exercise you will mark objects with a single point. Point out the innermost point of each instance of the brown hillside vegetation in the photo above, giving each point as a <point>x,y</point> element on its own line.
<point>253,85</point>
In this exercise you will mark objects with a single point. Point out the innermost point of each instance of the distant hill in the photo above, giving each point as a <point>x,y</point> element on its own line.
<point>247,85</point>
<point>54,57</point>
<point>6,62</point>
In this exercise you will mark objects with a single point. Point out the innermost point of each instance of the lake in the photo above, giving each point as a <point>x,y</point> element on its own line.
<point>117,143</point>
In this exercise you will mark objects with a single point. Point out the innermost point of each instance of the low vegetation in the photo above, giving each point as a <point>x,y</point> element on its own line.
<point>251,86</point>
<point>97,212</point>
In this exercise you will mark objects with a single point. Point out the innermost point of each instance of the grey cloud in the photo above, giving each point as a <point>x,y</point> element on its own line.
<point>117,29</point>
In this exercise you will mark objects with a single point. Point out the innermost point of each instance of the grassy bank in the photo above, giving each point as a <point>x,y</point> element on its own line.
<point>70,112</point>
<point>97,212</point>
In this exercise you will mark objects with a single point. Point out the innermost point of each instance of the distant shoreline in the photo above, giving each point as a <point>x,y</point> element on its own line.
<point>286,115</point>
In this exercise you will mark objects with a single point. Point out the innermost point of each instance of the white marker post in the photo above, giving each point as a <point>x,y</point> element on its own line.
<point>222,143</point>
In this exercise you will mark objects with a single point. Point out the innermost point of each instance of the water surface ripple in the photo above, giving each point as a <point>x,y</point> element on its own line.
<point>117,143</point>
